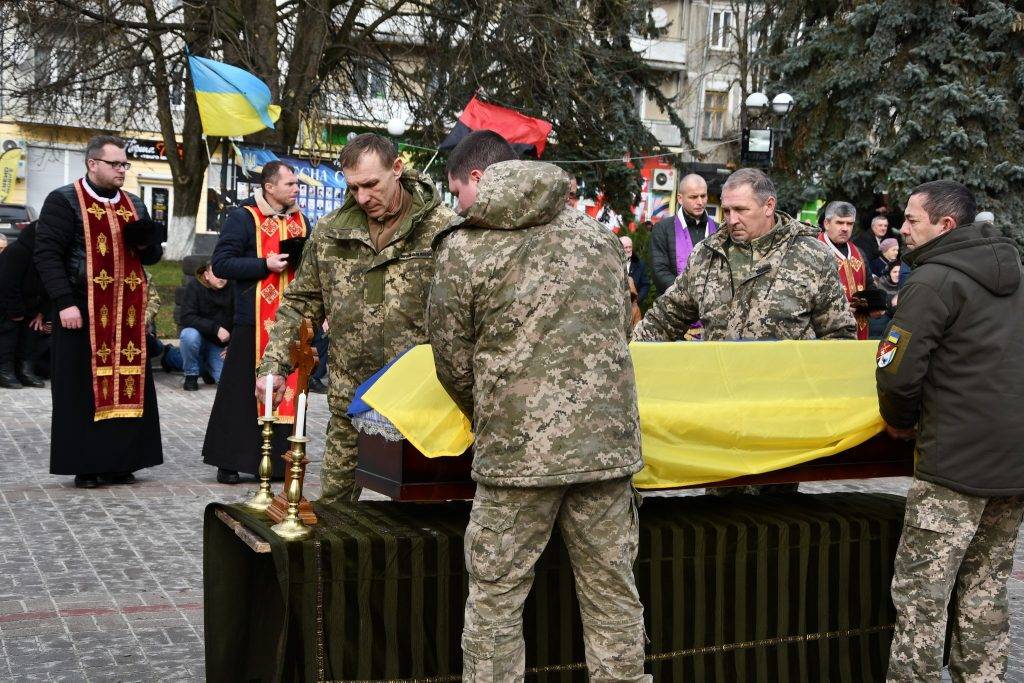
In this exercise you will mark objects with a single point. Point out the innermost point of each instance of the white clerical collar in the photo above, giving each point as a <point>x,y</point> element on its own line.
<point>839,254</point>
<point>92,193</point>
<point>681,215</point>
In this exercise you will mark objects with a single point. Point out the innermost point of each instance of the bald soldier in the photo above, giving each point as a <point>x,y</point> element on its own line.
<point>673,239</point>
<point>366,270</point>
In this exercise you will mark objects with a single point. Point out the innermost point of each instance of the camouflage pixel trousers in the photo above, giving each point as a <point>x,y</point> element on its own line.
<point>508,529</point>
<point>337,472</point>
<point>960,545</point>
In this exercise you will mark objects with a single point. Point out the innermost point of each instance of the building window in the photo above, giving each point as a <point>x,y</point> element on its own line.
<point>370,80</point>
<point>45,71</point>
<point>716,105</point>
<point>721,29</point>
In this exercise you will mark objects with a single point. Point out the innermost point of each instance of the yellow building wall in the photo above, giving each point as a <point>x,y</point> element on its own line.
<point>18,193</point>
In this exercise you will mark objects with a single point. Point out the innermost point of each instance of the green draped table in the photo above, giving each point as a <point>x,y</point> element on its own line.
<point>750,588</point>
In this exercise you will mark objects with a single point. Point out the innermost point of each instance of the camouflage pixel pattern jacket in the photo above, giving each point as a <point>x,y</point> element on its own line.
<point>790,289</point>
<point>529,320</point>
<point>375,303</point>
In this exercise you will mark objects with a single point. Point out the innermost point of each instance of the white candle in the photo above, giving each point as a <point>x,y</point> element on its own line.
<point>268,398</point>
<point>300,416</point>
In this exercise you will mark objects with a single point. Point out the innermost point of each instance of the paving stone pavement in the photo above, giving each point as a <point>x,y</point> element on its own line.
<point>106,584</point>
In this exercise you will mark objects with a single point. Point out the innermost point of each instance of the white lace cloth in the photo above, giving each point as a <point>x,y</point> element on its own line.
<point>374,423</point>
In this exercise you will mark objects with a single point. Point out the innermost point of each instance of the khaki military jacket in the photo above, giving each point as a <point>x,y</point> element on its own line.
<point>375,303</point>
<point>787,288</point>
<point>529,319</point>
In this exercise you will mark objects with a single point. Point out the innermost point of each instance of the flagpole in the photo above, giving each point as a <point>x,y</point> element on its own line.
<point>427,167</point>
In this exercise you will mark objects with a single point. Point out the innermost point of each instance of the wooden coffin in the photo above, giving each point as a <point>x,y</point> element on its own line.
<point>399,471</point>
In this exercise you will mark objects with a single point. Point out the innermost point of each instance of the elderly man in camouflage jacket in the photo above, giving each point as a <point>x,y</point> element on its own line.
<point>766,276</point>
<point>366,269</point>
<point>529,316</point>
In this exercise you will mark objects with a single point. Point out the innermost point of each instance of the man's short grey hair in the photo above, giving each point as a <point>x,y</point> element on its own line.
<point>840,210</point>
<point>879,218</point>
<point>759,182</point>
<point>94,148</point>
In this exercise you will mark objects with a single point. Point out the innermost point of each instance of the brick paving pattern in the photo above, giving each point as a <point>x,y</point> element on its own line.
<point>106,584</point>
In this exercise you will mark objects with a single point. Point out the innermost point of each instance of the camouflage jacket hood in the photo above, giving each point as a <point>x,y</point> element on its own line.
<point>788,288</point>
<point>518,194</point>
<point>528,317</point>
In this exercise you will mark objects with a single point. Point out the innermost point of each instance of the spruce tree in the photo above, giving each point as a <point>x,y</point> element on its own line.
<point>892,93</point>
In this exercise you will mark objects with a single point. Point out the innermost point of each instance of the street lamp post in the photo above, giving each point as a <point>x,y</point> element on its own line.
<point>757,104</point>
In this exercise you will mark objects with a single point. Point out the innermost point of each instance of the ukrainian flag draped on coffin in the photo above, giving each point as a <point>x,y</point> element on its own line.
<point>708,410</point>
<point>231,101</point>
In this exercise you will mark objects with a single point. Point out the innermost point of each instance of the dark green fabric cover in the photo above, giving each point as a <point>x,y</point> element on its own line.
<point>765,588</point>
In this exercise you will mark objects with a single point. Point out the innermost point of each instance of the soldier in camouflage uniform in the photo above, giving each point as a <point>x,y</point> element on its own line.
<point>951,372</point>
<point>529,315</point>
<point>366,269</point>
<point>765,277</point>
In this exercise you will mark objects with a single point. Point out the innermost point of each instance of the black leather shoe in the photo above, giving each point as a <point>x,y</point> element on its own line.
<point>208,378</point>
<point>27,377</point>
<point>317,387</point>
<point>8,378</point>
<point>86,481</point>
<point>191,383</point>
<point>227,476</point>
<point>119,478</point>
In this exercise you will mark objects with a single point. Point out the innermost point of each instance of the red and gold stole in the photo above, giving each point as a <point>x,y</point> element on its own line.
<point>117,290</point>
<point>853,274</point>
<point>270,230</point>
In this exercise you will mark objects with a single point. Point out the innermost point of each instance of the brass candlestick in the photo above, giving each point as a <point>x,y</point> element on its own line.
<point>263,497</point>
<point>292,527</point>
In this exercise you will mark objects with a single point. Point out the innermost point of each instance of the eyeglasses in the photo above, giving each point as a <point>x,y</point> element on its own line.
<point>124,165</point>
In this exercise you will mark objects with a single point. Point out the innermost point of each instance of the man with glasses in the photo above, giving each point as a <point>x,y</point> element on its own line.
<point>92,240</point>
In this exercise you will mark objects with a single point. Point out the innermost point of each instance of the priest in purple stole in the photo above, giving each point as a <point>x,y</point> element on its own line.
<point>673,238</point>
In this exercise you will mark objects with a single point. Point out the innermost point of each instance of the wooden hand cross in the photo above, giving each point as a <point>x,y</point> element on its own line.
<point>302,356</point>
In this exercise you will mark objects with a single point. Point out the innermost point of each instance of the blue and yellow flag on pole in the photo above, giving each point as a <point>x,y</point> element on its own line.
<point>231,101</point>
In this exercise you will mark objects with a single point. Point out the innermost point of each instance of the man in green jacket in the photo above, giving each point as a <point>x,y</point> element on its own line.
<point>529,320</point>
<point>766,276</point>
<point>951,371</point>
<point>366,269</point>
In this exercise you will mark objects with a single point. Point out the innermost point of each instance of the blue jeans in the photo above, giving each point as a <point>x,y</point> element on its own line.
<point>197,353</point>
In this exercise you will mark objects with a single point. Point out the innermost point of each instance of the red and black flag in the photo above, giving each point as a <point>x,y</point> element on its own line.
<point>527,135</point>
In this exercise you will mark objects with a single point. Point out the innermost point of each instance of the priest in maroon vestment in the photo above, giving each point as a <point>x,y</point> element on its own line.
<point>854,273</point>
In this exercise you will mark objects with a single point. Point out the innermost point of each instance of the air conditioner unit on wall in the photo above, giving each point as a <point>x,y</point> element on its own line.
<point>663,179</point>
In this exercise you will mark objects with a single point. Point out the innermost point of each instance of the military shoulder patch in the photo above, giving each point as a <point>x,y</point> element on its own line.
<point>892,347</point>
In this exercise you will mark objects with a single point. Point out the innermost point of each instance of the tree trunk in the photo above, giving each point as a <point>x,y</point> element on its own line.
<point>181,230</point>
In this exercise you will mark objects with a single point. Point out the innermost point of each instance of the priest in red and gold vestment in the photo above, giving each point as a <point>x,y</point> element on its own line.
<point>92,240</point>
<point>854,273</point>
<point>259,249</point>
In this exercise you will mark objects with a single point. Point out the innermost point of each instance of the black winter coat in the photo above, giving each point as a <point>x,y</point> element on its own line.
<point>638,271</point>
<point>206,309</point>
<point>21,291</point>
<point>234,258</point>
<point>60,247</point>
<point>952,362</point>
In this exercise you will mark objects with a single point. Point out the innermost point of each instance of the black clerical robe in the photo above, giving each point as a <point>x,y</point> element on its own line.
<point>79,444</point>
